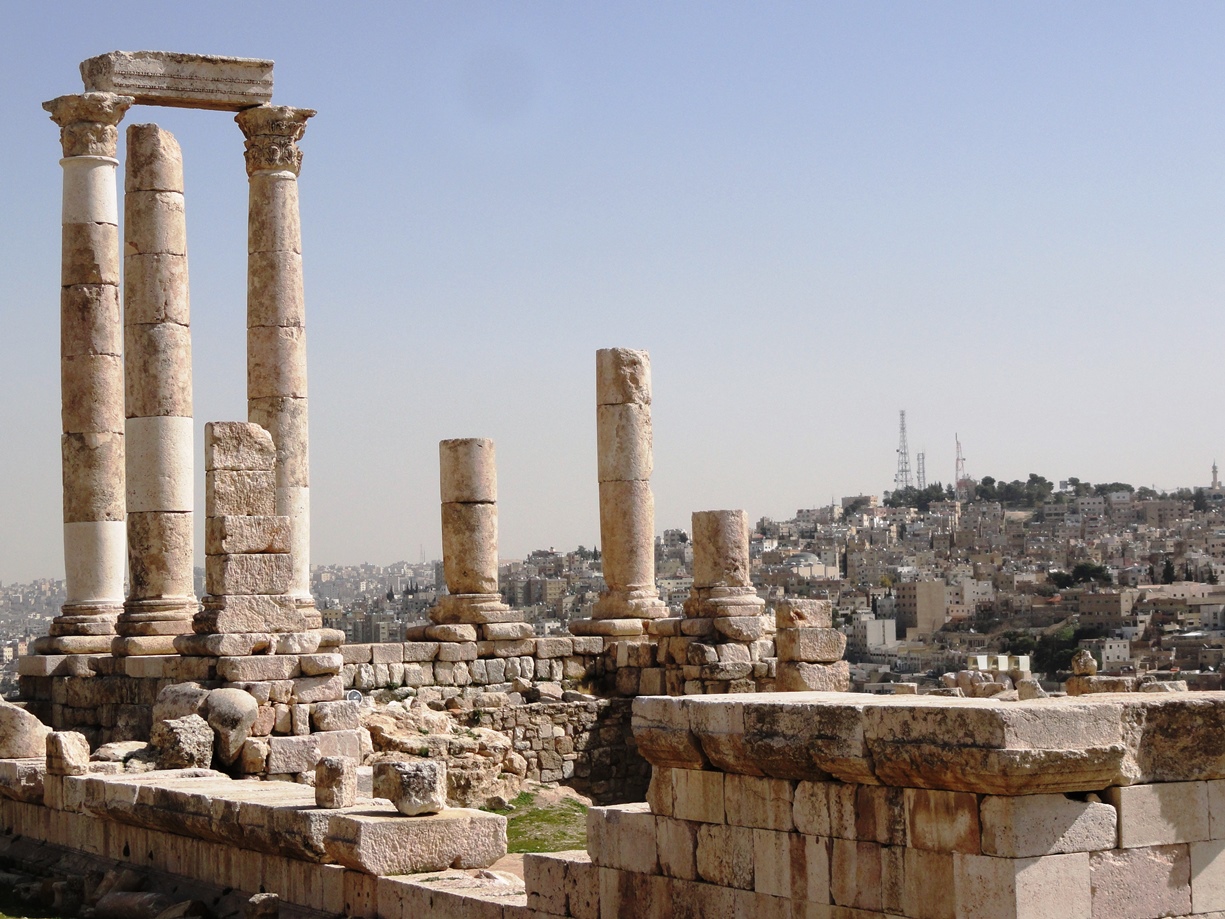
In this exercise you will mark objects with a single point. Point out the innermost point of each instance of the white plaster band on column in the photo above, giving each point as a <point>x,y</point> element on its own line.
<point>624,442</point>
<point>90,194</point>
<point>468,471</point>
<point>627,535</point>
<point>470,548</point>
<point>294,502</point>
<point>95,556</point>
<point>159,464</point>
<point>273,221</point>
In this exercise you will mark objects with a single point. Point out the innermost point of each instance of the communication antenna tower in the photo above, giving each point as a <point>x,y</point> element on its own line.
<point>902,479</point>
<point>963,483</point>
<point>920,472</point>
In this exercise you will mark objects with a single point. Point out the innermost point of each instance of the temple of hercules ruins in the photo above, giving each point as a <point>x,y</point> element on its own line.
<point>231,752</point>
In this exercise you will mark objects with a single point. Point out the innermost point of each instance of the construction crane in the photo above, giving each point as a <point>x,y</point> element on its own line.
<point>963,483</point>
<point>920,471</point>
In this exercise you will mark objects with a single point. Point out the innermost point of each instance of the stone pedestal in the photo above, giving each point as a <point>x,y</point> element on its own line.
<point>627,507</point>
<point>472,614</point>
<point>158,395</point>
<point>276,319</point>
<point>91,376</point>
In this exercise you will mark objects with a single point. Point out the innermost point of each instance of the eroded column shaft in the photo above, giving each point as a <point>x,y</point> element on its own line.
<point>276,316</point>
<point>722,576</point>
<point>627,506</point>
<point>91,374</point>
<point>158,395</point>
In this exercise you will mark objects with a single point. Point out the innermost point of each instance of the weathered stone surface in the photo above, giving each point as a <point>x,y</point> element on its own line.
<point>67,753</point>
<point>744,628</point>
<point>470,547</point>
<point>178,700</point>
<point>1167,812</point>
<point>21,734</point>
<point>388,845</point>
<point>806,614</point>
<point>226,535</point>
<point>721,549</point>
<point>797,676</point>
<point>468,471</point>
<point>231,714</point>
<point>810,645</point>
<point>259,667</point>
<point>336,716</point>
<point>249,613</point>
<point>335,782</point>
<point>624,442</point>
<point>414,788</point>
<point>1035,825</point>
<point>237,446</point>
<point>184,80</point>
<point>247,574</point>
<point>1149,881</point>
<point>183,743</point>
<point>239,493</point>
<point>622,375</point>
<point>22,779</point>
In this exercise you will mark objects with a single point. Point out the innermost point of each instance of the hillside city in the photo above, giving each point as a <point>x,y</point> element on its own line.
<point>919,581</point>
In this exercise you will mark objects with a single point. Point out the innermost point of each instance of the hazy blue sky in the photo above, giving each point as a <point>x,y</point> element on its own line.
<point>1006,218</point>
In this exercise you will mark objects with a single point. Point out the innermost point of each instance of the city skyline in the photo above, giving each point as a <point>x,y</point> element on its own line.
<point>1005,221</point>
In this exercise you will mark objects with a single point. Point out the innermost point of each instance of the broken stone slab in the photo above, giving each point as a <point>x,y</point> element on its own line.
<point>387,845</point>
<point>228,84</point>
<point>335,782</point>
<point>414,788</point>
<point>67,753</point>
<point>231,713</point>
<point>22,779</point>
<point>183,743</point>
<point>21,734</point>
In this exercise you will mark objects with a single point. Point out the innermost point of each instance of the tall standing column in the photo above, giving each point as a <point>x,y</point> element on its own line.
<point>627,507</point>
<point>157,376</point>
<point>91,375</point>
<point>276,318</point>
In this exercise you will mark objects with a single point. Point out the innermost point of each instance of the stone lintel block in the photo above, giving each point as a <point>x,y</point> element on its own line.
<point>664,736</point>
<point>797,676</point>
<point>238,446</point>
<point>1024,888</point>
<point>1025,826</point>
<point>154,221</point>
<point>622,375</point>
<point>468,472</point>
<point>624,442</point>
<point>94,481</point>
<point>1145,881</point>
<point>249,613</point>
<point>721,549</point>
<point>388,844</point>
<point>228,84</point>
<point>157,370</point>
<point>246,534</point>
<point>623,837</point>
<point>1158,814</point>
<point>90,321</point>
<point>247,574</point>
<point>804,614</point>
<point>89,254</point>
<point>470,548</point>
<point>91,391</point>
<point>276,362</point>
<point>810,645</point>
<point>258,667</point>
<point>274,289</point>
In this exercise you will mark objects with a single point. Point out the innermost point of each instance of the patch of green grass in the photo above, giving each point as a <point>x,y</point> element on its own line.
<point>556,828</point>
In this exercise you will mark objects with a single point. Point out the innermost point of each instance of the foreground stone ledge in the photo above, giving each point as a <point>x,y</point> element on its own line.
<point>975,745</point>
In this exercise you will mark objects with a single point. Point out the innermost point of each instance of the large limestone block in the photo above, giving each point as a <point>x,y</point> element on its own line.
<point>698,795</point>
<point>273,224</point>
<point>91,388</point>
<point>721,549</point>
<point>943,821</point>
<point>258,613</point>
<point>67,753</point>
<point>622,375</point>
<point>758,802</point>
<point>276,362</point>
<point>90,322</point>
<point>797,676</point>
<point>247,574</point>
<point>258,668</point>
<point>627,535</point>
<point>1148,881</point>
<point>623,837</point>
<point>1026,888</point>
<point>288,420</point>
<point>624,442</point>
<point>158,460</point>
<point>1153,815</point>
<point>383,845</point>
<point>162,564</point>
<point>237,446</point>
<point>185,80</point>
<point>93,473</point>
<point>154,161</point>
<point>470,548</point>
<point>810,645</point>
<point>157,369</point>
<point>182,743</point>
<point>156,289</point>
<point>177,700</point>
<point>468,471</point>
<point>231,713</point>
<point>274,289</point>
<point>413,788</point>
<point>725,855</point>
<point>335,782</point>
<point>89,191</point>
<point>312,689</point>
<point>224,645</point>
<point>662,732</point>
<point>253,535</point>
<point>22,779</point>
<point>89,254</point>
<point>154,221</point>
<point>1033,825</point>
<point>240,493</point>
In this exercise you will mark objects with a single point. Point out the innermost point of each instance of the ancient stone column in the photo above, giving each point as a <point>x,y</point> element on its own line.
<point>276,318</point>
<point>722,586</point>
<point>469,492</point>
<point>157,376</point>
<point>91,375</point>
<point>627,507</point>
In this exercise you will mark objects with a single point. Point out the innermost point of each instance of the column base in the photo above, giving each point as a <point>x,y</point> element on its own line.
<point>148,626</point>
<point>80,628</point>
<point>73,644</point>
<point>641,603</point>
<point>311,617</point>
<point>473,609</point>
<point>720,602</point>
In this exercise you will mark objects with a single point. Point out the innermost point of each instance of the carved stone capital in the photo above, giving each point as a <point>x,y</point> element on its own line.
<point>272,132</point>
<point>89,122</point>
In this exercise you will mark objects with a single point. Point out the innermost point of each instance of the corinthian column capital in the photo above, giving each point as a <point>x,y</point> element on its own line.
<point>272,132</point>
<point>89,122</point>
